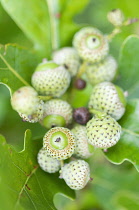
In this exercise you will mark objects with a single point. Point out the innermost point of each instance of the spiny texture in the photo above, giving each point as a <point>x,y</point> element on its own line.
<point>25,100</point>
<point>82,146</point>
<point>58,107</point>
<point>108,98</point>
<point>59,143</point>
<point>104,71</point>
<point>36,116</point>
<point>116,17</point>
<point>91,44</point>
<point>52,82</point>
<point>46,163</point>
<point>103,132</point>
<point>68,57</point>
<point>76,174</point>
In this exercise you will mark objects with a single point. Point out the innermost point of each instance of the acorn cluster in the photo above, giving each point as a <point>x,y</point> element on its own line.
<point>74,133</point>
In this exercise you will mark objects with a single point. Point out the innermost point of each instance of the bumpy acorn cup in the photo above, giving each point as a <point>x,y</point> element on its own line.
<point>36,116</point>
<point>108,98</point>
<point>47,163</point>
<point>83,149</point>
<point>57,113</point>
<point>76,174</point>
<point>59,143</point>
<point>49,79</point>
<point>103,131</point>
<point>68,57</point>
<point>105,70</point>
<point>25,100</point>
<point>91,44</point>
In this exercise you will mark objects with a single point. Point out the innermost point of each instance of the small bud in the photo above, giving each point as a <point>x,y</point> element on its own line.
<point>81,115</point>
<point>80,84</point>
<point>116,17</point>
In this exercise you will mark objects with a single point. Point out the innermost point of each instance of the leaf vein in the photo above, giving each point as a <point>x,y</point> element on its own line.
<point>26,181</point>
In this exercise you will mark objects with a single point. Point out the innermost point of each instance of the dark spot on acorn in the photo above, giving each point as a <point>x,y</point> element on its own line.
<point>81,115</point>
<point>66,66</point>
<point>113,10</point>
<point>58,139</point>
<point>52,126</point>
<point>94,39</point>
<point>80,84</point>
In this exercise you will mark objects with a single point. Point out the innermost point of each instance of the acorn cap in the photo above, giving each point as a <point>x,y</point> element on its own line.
<point>103,132</point>
<point>105,70</point>
<point>59,143</point>
<point>69,58</point>
<point>76,174</point>
<point>47,163</point>
<point>25,100</point>
<point>108,98</point>
<point>91,44</point>
<point>83,149</point>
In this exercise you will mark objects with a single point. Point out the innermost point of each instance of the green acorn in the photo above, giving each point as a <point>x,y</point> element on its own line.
<point>59,143</point>
<point>105,70</point>
<point>76,174</point>
<point>50,79</point>
<point>25,100</point>
<point>47,163</point>
<point>103,132</point>
<point>57,113</point>
<point>108,98</point>
<point>91,44</point>
<point>68,57</point>
<point>116,17</point>
<point>83,149</point>
<point>36,116</point>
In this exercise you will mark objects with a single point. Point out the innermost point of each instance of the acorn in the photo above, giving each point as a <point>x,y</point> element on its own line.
<point>49,79</point>
<point>69,58</point>
<point>59,143</point>
<point>57,113</point>
<point>91,44</point>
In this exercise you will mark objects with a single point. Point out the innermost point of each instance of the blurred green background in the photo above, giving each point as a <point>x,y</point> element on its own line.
<point>114,187</point>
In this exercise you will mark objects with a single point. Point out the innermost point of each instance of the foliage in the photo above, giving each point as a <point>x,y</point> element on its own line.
<point>46,26</point>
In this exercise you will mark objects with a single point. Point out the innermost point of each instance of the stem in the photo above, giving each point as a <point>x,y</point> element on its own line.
<point>99,114</point>
<point>82,69</point>
<point>45,98</point>
<point>14,72</point>
<point>54,22</point>
<point>62,163</point>
<point>118,30</point>
<point>114,33</point>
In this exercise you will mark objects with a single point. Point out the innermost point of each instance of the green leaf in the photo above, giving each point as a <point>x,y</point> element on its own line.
<point>129,66</point>
<point>16,66</point>
<point>25,185</point>
<point>69,9</point>
<point>128,146</point>
<point>46,23</point>
<point>32,17</point>
<point>115,186</point>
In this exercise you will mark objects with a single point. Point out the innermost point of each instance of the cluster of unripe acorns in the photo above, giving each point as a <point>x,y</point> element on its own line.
<point>74,133</point>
